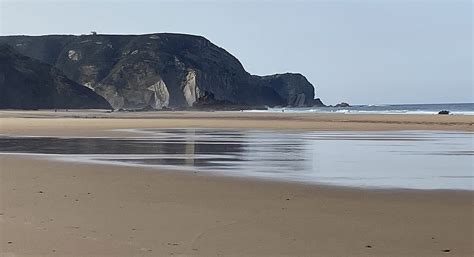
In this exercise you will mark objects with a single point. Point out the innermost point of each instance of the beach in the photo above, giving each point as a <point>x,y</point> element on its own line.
<point>83,123</point>
<point>56,208</point>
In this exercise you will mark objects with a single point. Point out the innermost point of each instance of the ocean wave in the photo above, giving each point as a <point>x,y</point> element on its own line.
<point>354,111</point>
<point>425,109</point>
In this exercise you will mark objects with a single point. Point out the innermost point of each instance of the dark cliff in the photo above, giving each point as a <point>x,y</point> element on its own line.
<point>26,83</point>
<point>161,70</point>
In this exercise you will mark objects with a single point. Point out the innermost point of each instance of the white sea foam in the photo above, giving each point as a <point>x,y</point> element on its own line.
<point>455,109</point>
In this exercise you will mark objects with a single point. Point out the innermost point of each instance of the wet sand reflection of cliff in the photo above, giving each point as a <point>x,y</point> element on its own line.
<point>408,159</point>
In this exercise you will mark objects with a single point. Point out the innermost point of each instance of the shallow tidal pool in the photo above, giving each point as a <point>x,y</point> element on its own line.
<point>385,159</point>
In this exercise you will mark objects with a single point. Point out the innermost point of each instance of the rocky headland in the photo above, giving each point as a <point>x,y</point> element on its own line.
<point>26,83</point>
<point>160,71</point>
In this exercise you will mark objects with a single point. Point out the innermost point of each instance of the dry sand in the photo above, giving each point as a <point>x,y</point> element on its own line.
<point>97,123</point>
<point>53,208</point>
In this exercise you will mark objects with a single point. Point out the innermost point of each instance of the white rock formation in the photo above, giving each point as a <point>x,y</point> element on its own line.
<point>89,85</point>
<point>190,90</point>
<point>73,55</point>
<point>160,97</point>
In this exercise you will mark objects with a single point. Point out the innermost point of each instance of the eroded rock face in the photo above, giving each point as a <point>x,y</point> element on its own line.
<point>291,87</point>
<point>74,55</point>
<point>191,91</point>
<point>161,70</point>
<point>160,96</point>
<point>88,75</point>
<point>26,83</point>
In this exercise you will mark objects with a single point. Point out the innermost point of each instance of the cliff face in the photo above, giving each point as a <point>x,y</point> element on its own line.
<point>161,70</point>
<point>26,83</point>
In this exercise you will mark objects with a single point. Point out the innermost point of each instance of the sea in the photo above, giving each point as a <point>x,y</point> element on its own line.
<point>453,108</point>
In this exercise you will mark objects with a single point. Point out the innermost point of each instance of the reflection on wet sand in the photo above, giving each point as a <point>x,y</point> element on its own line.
<point>405,159</point>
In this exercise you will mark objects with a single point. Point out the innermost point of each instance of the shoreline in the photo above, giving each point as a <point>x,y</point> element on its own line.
<point>83,123</point>
<point>221,176</point>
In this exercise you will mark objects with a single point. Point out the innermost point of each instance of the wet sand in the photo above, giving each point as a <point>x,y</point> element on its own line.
<point>61,209</point>
<point>53,208</point>
<point>371,159</point>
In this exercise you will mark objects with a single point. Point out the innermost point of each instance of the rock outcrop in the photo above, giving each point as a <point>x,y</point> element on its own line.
<point>343,105</point>
<point>161,70</point>
<point>26,83</point>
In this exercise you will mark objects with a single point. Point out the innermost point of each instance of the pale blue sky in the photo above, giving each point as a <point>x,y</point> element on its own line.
<point>362,52</point>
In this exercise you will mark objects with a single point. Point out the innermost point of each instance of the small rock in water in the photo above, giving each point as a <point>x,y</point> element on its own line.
<point>446,251</point>
<point>368,246</point>
<point>443,112</point>
<point>343,104</point>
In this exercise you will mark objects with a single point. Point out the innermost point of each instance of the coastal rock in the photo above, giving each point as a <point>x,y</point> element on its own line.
<point>73,55</point>
<point>125,70</point>
<point>343,104</point>
<point>190,90</point>
<point>318,102</point>
<point>26,83</point>
<point>292,88</point>
<point>444,112</point>
<point>160,97</point>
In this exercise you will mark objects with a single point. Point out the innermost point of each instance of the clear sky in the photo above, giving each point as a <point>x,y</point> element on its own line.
<point>362,52</point>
